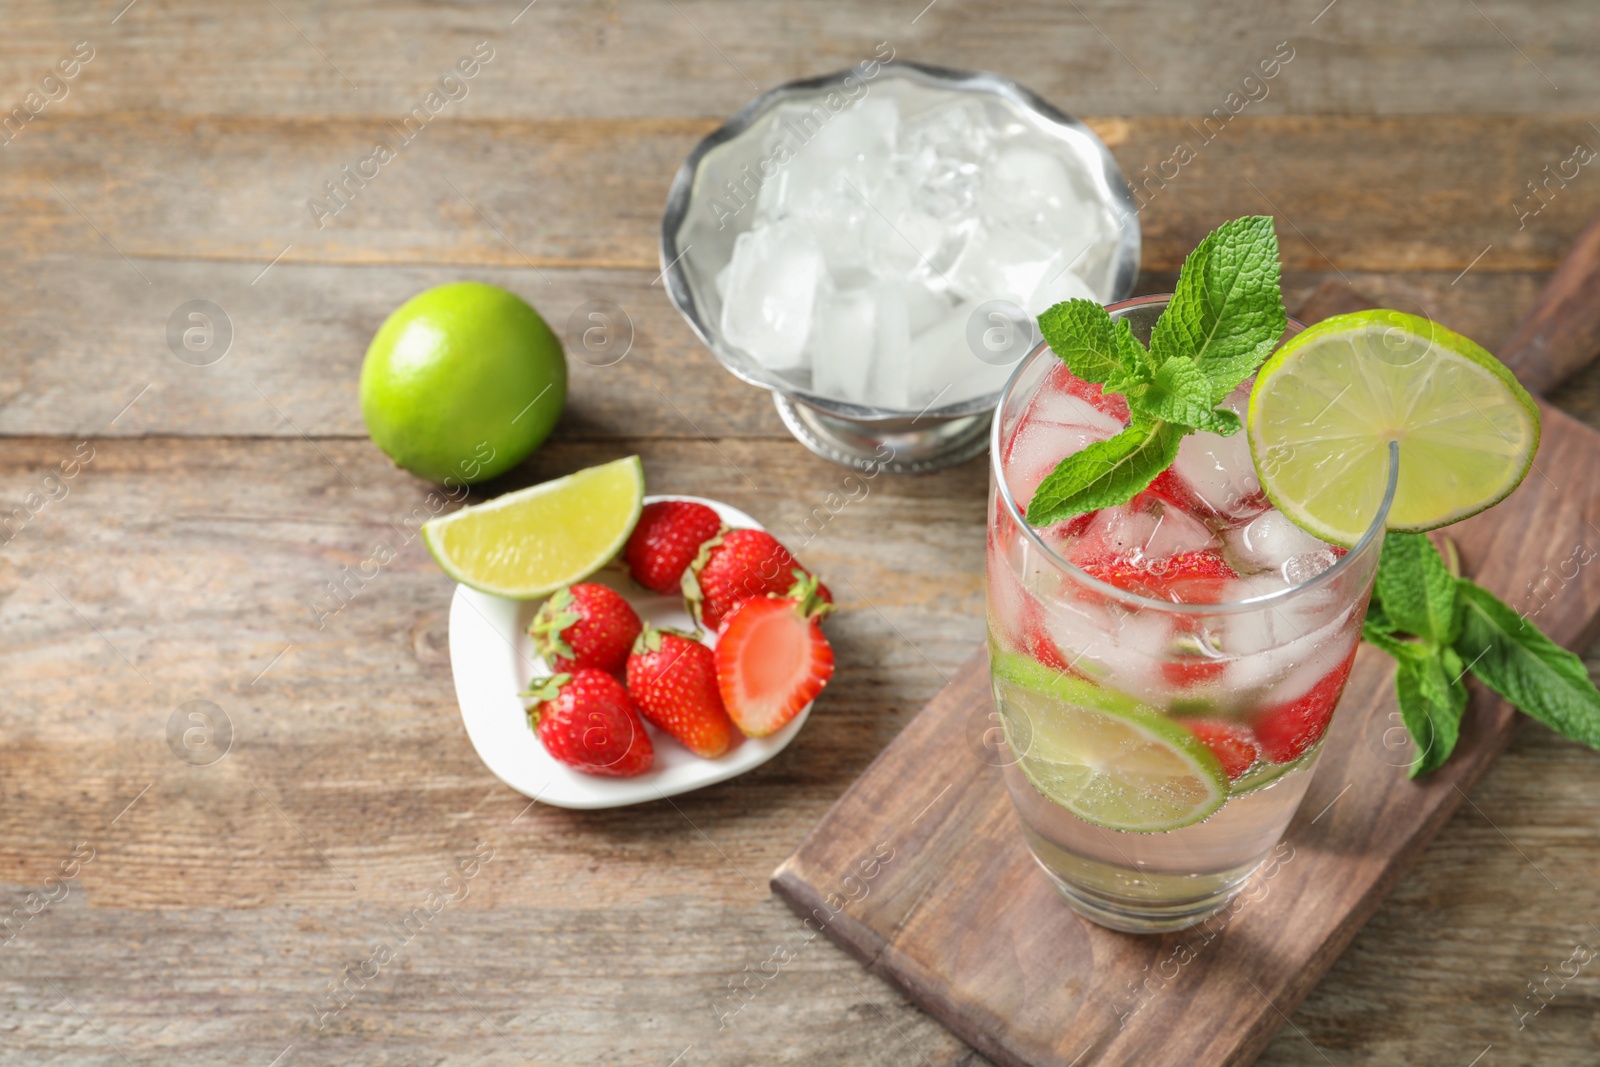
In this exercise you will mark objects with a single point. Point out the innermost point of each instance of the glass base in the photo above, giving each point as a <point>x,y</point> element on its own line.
<point>1139,917</point>
<point>910,445</point>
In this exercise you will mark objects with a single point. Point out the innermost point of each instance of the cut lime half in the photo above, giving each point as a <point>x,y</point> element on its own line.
<point>531,542</point>
<point>1328,403</point>
<point>1101,755</point>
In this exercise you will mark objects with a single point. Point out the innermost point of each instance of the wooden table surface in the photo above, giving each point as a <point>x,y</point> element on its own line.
<point>206,911</point>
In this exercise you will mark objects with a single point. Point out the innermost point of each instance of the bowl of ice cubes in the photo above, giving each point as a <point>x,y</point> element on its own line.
<point>874,246</point>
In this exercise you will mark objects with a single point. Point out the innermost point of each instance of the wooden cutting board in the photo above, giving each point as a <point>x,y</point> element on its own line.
<point>920,871</point>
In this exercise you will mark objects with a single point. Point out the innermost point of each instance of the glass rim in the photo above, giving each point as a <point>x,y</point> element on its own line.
<point>1135,600</point>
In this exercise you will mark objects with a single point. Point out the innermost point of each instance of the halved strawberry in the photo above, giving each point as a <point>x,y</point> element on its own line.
<point>772,659</point>
<point>1232,744</point>
<point>665,541</point>
<point>1287,730</point>
<point>588,721</point>
<point>674,679</point>
<point>585,625</point>
<point>1186,578</point>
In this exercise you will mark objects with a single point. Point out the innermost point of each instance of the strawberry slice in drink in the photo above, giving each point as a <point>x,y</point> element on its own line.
<point>1192,671</point>
<point>1232,744</point>
<point>1185,578</point>
<point>1287,730</point>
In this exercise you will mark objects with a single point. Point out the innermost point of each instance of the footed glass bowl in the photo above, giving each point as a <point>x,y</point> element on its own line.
<point>989,206</point>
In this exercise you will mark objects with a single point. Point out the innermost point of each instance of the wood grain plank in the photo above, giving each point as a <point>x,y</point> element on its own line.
<point>301,330</point>
<point>1401,193</point>
<point>707,57</point>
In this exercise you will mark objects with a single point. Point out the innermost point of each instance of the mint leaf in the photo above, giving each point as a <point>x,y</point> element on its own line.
<point>1105,473</point>
<point>1511,656</point>
<point>1432,698</point>
<point>1227,312</point>
<point>1418,591</point>
<point>1384,639</point>
<point>1094,348</point>
<point>1181,393</point>
<point>1377,620</point>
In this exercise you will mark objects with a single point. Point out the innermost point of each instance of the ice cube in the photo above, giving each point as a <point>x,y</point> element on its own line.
<point>827,152</point>
<point>1280,650</point>
<point>945,370</point>
<point>889,377</point>
<point>1036,448</point>
<point>1303,568</point>
<point>1028,177</point>
<point>842,343</point>
<point>924,306</point>
<point>1128,656</point>
<point>772,287</point>
<point>1287,672</point>
<point>1002,263</point>
<point>1218,471</point>
<point>1121,532</point>
<point>941,156</point>
<point>1050,405</point>
<point>863,133</point>
<point>900,238</point>
<point>1064,285</point>
<point>1267,543</point>
<point>1178,532</point>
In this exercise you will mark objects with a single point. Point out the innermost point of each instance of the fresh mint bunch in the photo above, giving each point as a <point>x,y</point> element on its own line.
<point>1223,321</point>
<point>1439,627</point>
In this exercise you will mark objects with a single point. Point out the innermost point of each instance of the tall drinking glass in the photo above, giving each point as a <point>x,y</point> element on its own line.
<point>1164,670</point>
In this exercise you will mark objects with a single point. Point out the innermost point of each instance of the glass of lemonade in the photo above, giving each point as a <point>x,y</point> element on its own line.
<point>1164,669</point>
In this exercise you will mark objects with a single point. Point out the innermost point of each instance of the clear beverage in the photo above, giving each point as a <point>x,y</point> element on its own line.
<point>1164,670</point>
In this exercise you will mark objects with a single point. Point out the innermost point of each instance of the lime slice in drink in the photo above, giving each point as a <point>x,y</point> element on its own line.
<point>1103,756</point>
<point>1328,403</point>
<point>529,543</point>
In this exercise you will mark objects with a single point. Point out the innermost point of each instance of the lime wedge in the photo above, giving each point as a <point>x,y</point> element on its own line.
<point>529,543</point>
<point>1328,403</point>
<point>1101,755</point>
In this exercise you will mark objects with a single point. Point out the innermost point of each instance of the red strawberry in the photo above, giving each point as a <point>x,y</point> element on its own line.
<point>1185,578</point>
<point>739,565</point>
<point>1168,488</point>
<point>772,659</point>
<point>1231,743</point>
<point>666,541</point>
<point>587,720</point>
<point>585,625</point>
<point>1191,670</point>
<point>1287,730</point>
<point>674,679</point>
<point>1042,647</point>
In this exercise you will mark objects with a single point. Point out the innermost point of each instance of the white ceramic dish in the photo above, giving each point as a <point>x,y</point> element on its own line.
<point>493,660</point>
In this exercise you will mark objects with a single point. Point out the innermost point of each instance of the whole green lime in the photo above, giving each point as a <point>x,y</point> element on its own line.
<point>461,382</point>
